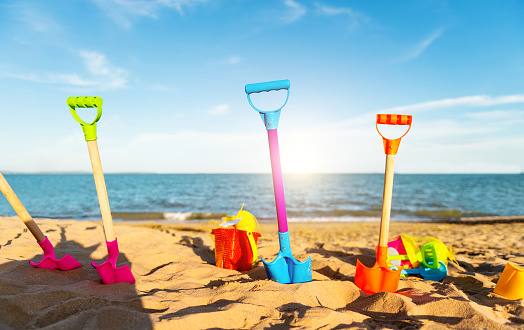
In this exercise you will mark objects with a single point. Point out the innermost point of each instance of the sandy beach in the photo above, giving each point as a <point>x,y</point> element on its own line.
<point>178,287</point>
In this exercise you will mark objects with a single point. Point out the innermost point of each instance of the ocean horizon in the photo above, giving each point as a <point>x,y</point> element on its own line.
<point>309,197</point>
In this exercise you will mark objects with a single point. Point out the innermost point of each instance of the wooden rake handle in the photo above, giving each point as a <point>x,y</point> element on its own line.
<point>101,190</point>
<point>20,209</point>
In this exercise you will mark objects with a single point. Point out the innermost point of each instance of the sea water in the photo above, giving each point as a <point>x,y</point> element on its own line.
<point>312,197</point>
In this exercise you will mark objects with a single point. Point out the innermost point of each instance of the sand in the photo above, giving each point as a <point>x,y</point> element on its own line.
<point>178,286</point>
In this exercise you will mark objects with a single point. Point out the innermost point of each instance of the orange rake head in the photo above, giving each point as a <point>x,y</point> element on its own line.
<point>391,145</point>
<point>379,278</point>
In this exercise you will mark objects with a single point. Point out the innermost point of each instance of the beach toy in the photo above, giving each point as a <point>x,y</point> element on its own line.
<point>380,278</point>
<point>49,261</point>
<point>247,222</point>
<point>233,248</point>
<point>511,282</point>
<point>236,241</point>
<point>285,268</point>
<point>108,271</point>
<point>430,261</point>
<point>428,273</point>
<point>403,246</point>
<point>404,252</point>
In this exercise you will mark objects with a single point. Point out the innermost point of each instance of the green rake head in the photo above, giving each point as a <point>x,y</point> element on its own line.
<point>429,255</point>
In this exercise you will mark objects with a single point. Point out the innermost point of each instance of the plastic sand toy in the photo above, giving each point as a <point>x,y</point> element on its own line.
<point>236,241</point>
<point>430,261</point>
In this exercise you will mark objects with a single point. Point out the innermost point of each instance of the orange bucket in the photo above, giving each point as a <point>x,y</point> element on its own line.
<point>232,248</point>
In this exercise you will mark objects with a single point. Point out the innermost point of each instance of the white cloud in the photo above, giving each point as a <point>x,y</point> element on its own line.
<point>103,75</point>
<point>162,88</point>
<point>509,115</point>
<point>109,76</point>
<point>36,17</point>
<point>464,101</point>
<point>70,79</point>
<point>28,77</point>
<point>356,19</point>
<point>232,60</point>
<point>423,45</point>
<point>179,5</point>
<point>295,12</point>
<point>477,100</point>
<point>124,11</point>
<point>219,110</point>
<point>457,143</point>
<point>52,78</point>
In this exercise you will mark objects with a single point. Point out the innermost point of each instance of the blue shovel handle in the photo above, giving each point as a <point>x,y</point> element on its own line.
<point>267,86</point>
<point>270,117</point>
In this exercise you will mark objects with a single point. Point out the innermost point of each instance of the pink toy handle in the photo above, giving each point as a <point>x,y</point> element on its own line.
<point>278,183</point>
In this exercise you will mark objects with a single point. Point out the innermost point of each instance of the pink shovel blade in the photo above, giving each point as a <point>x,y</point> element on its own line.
<point>50,262</point>
<point>109,272</point>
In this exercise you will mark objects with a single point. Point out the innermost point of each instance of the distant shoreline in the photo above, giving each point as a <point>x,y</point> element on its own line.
<point>209,217</point>
<point>264,173</point>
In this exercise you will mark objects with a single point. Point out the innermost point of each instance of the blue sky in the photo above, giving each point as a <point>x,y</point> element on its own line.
<point>172,75</point>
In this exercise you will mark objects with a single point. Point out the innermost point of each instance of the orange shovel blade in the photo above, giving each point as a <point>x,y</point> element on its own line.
<point>379,278</point>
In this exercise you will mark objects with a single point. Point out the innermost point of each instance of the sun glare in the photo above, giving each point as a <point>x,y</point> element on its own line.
<point>299,162</point>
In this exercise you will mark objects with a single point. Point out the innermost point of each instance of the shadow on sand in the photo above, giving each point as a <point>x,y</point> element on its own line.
<point>34,297</point>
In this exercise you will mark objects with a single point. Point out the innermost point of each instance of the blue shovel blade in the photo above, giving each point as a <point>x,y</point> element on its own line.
<point>429,274</point>
<point>288,270</point>
<point>285,268</point>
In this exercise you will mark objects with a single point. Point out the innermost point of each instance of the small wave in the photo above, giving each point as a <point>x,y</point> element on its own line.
<point>333,213</point>
<point>184,216</point>
<point>129,216</point>
<point>177,216</point>
<point>308,216</point>
<point>335,219</point>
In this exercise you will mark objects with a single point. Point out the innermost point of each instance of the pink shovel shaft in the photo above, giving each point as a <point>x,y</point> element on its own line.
<point>278,183</point>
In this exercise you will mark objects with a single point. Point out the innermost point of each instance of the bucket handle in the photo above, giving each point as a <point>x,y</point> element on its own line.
<point>253,246</point>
